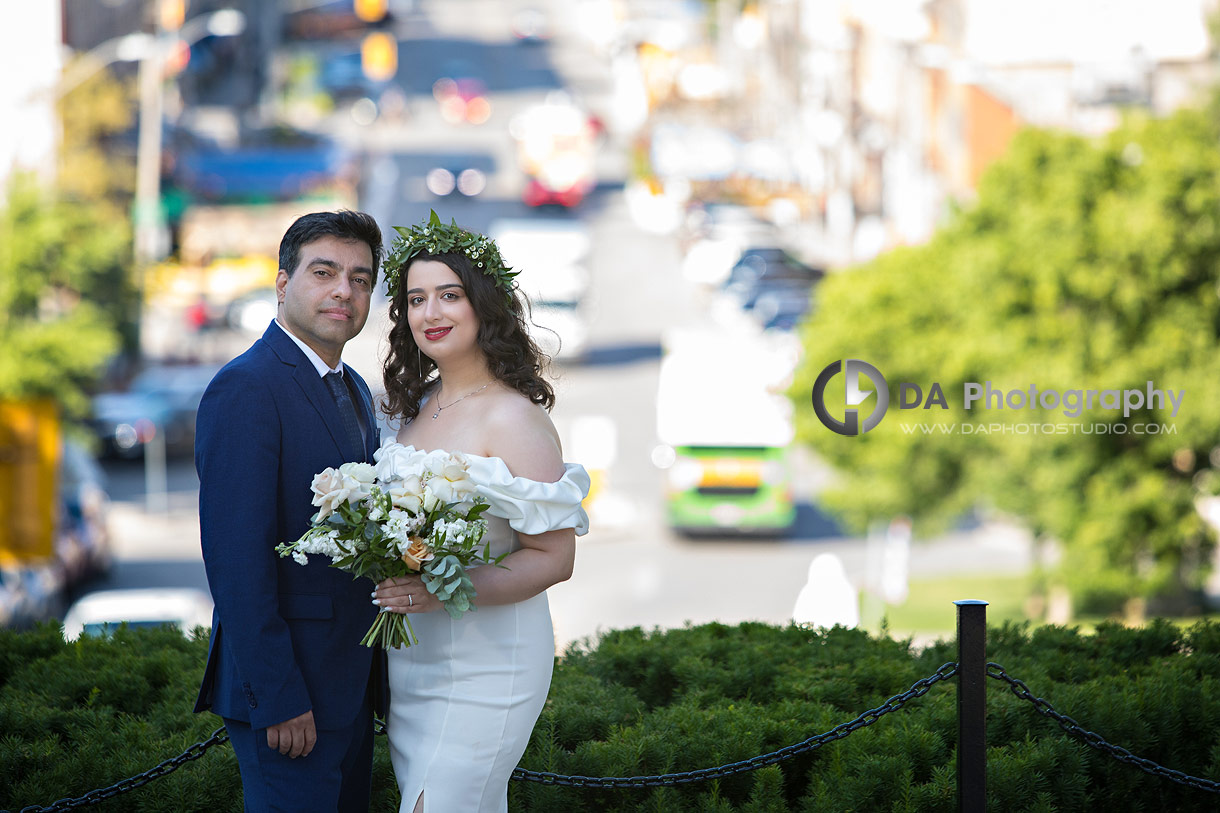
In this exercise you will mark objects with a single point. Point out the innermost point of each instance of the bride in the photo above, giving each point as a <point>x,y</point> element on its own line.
<point>464,700</point>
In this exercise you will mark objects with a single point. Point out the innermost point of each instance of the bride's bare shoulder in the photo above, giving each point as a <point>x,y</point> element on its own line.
<point>522,434</point>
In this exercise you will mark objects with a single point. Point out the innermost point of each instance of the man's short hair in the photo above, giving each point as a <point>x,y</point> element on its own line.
<point>344,224</point>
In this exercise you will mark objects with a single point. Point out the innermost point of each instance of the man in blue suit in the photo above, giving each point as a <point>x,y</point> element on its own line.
<point>286,669</point>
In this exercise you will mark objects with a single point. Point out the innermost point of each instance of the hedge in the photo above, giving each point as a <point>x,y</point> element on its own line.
<point>83,715</point>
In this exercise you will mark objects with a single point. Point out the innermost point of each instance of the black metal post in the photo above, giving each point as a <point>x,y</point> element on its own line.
<point>971,706</point>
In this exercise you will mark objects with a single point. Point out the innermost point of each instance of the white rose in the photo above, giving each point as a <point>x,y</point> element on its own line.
<point>362,477</point>
<point>395,461</point>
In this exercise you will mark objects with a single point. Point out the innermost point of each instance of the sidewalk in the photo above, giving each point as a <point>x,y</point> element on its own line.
<point>139,534</point>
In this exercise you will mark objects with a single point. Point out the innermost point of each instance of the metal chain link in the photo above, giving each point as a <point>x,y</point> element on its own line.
<point>994,670</point>
<point>918,689</point>
<point>167,767</point>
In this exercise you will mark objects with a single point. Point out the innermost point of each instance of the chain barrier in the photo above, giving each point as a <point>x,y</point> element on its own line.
<point>918,689</point>
<point>1093,740</point>
<point>167,767</point>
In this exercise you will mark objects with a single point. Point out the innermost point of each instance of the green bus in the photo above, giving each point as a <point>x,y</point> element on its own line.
<point>726,430</point>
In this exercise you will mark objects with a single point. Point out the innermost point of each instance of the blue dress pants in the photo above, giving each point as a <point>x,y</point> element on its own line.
<point>334,778</point>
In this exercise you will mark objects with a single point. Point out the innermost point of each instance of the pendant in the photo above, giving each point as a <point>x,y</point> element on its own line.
<point>434,414</point>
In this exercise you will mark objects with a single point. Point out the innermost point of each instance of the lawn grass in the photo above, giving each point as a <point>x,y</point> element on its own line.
<point>929,613</point>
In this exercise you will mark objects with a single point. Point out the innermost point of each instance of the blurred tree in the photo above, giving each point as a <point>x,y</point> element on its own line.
<point>97,171</point>
<point>98,140</point>
<point>55,257</point>
<point>1082,264</point>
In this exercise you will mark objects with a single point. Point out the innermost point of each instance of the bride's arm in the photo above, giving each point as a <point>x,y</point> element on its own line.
<point>543,560</point>
<point>524,438</point>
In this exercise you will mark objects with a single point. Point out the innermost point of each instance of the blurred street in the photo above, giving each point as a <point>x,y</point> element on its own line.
<point>687,189</point>
<point>632,568</point>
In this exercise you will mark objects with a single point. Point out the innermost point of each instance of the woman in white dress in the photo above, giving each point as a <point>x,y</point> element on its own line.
<point>464,700</point>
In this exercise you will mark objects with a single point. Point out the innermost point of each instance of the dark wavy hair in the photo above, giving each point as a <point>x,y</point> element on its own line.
<point>512,355</point>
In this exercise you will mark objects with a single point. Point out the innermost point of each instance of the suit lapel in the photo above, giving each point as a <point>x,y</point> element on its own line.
<point>314,389</point>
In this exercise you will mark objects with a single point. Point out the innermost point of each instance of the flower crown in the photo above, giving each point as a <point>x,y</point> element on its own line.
<point>434,238</point>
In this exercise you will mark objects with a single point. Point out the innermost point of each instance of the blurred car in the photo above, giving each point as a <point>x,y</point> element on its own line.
<point>100,614</point>
<point>82,537</point>
<point>252,311</point>
<point>343,78</point>
<point>780,308</point>
<point>549,256</point>
<point>461,94</point>
<point>30,593</point>
<point>557,144</point>
<point>531,26</point>
<point>162,399</point>
<point>762,289</point>
<point>268,164</point>
<point>329,19</point>
<point>446,180</point>
<point>767,265</point>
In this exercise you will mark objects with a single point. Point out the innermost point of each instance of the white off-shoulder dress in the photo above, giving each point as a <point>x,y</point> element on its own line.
<point>464,700</point>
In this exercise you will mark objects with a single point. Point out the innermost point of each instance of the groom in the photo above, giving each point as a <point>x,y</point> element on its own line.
<point>286,669</point>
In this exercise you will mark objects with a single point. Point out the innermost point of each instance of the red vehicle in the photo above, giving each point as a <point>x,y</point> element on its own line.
<point>556,149</point>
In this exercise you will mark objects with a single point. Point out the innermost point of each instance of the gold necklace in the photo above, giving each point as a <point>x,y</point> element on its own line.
<point>436,414</point>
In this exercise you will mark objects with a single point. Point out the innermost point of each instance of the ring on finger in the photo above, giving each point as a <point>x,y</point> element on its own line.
<point>410,600</point>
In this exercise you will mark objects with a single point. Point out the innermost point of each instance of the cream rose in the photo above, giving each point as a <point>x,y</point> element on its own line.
<point>450,479</point>
<point>330,490</point>
<point>417,553</point>
<point>407,494</point>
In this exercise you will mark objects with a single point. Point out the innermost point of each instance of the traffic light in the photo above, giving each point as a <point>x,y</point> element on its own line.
<point>379,56</point>
<point>370,11</point>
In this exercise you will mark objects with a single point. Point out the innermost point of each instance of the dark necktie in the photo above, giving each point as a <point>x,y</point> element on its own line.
<point>347,410</point>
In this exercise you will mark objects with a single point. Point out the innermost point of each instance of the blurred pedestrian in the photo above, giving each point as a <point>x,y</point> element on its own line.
<point>828,598</point>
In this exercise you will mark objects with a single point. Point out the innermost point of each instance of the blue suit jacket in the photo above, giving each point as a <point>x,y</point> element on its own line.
<point>285,637</point>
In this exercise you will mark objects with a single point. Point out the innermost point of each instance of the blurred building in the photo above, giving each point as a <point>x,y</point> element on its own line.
<point>864,118</point>
<point>30,61</point>
<point>904,103</point>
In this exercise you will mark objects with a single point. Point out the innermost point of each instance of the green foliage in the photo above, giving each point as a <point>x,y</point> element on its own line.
<point>1084,264</point>
<point>80,716</point>
<point>62,266</point>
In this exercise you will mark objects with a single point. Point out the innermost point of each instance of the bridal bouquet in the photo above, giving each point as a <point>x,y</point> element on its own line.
<point>413,512</point>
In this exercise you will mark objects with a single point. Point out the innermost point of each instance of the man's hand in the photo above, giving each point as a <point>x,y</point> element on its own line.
<point>293,738</point>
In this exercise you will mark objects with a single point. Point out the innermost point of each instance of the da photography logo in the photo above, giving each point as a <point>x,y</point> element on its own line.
<point>854,397</point>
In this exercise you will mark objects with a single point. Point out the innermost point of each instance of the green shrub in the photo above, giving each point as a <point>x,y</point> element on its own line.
<point>79,716</point>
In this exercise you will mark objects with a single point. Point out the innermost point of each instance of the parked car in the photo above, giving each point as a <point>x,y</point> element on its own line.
<point>30,592</point>
<point>766,266</point>
<point>162,399</point>
<point>103,612</point>
<point>82,536</point>
<point>779,308</point>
